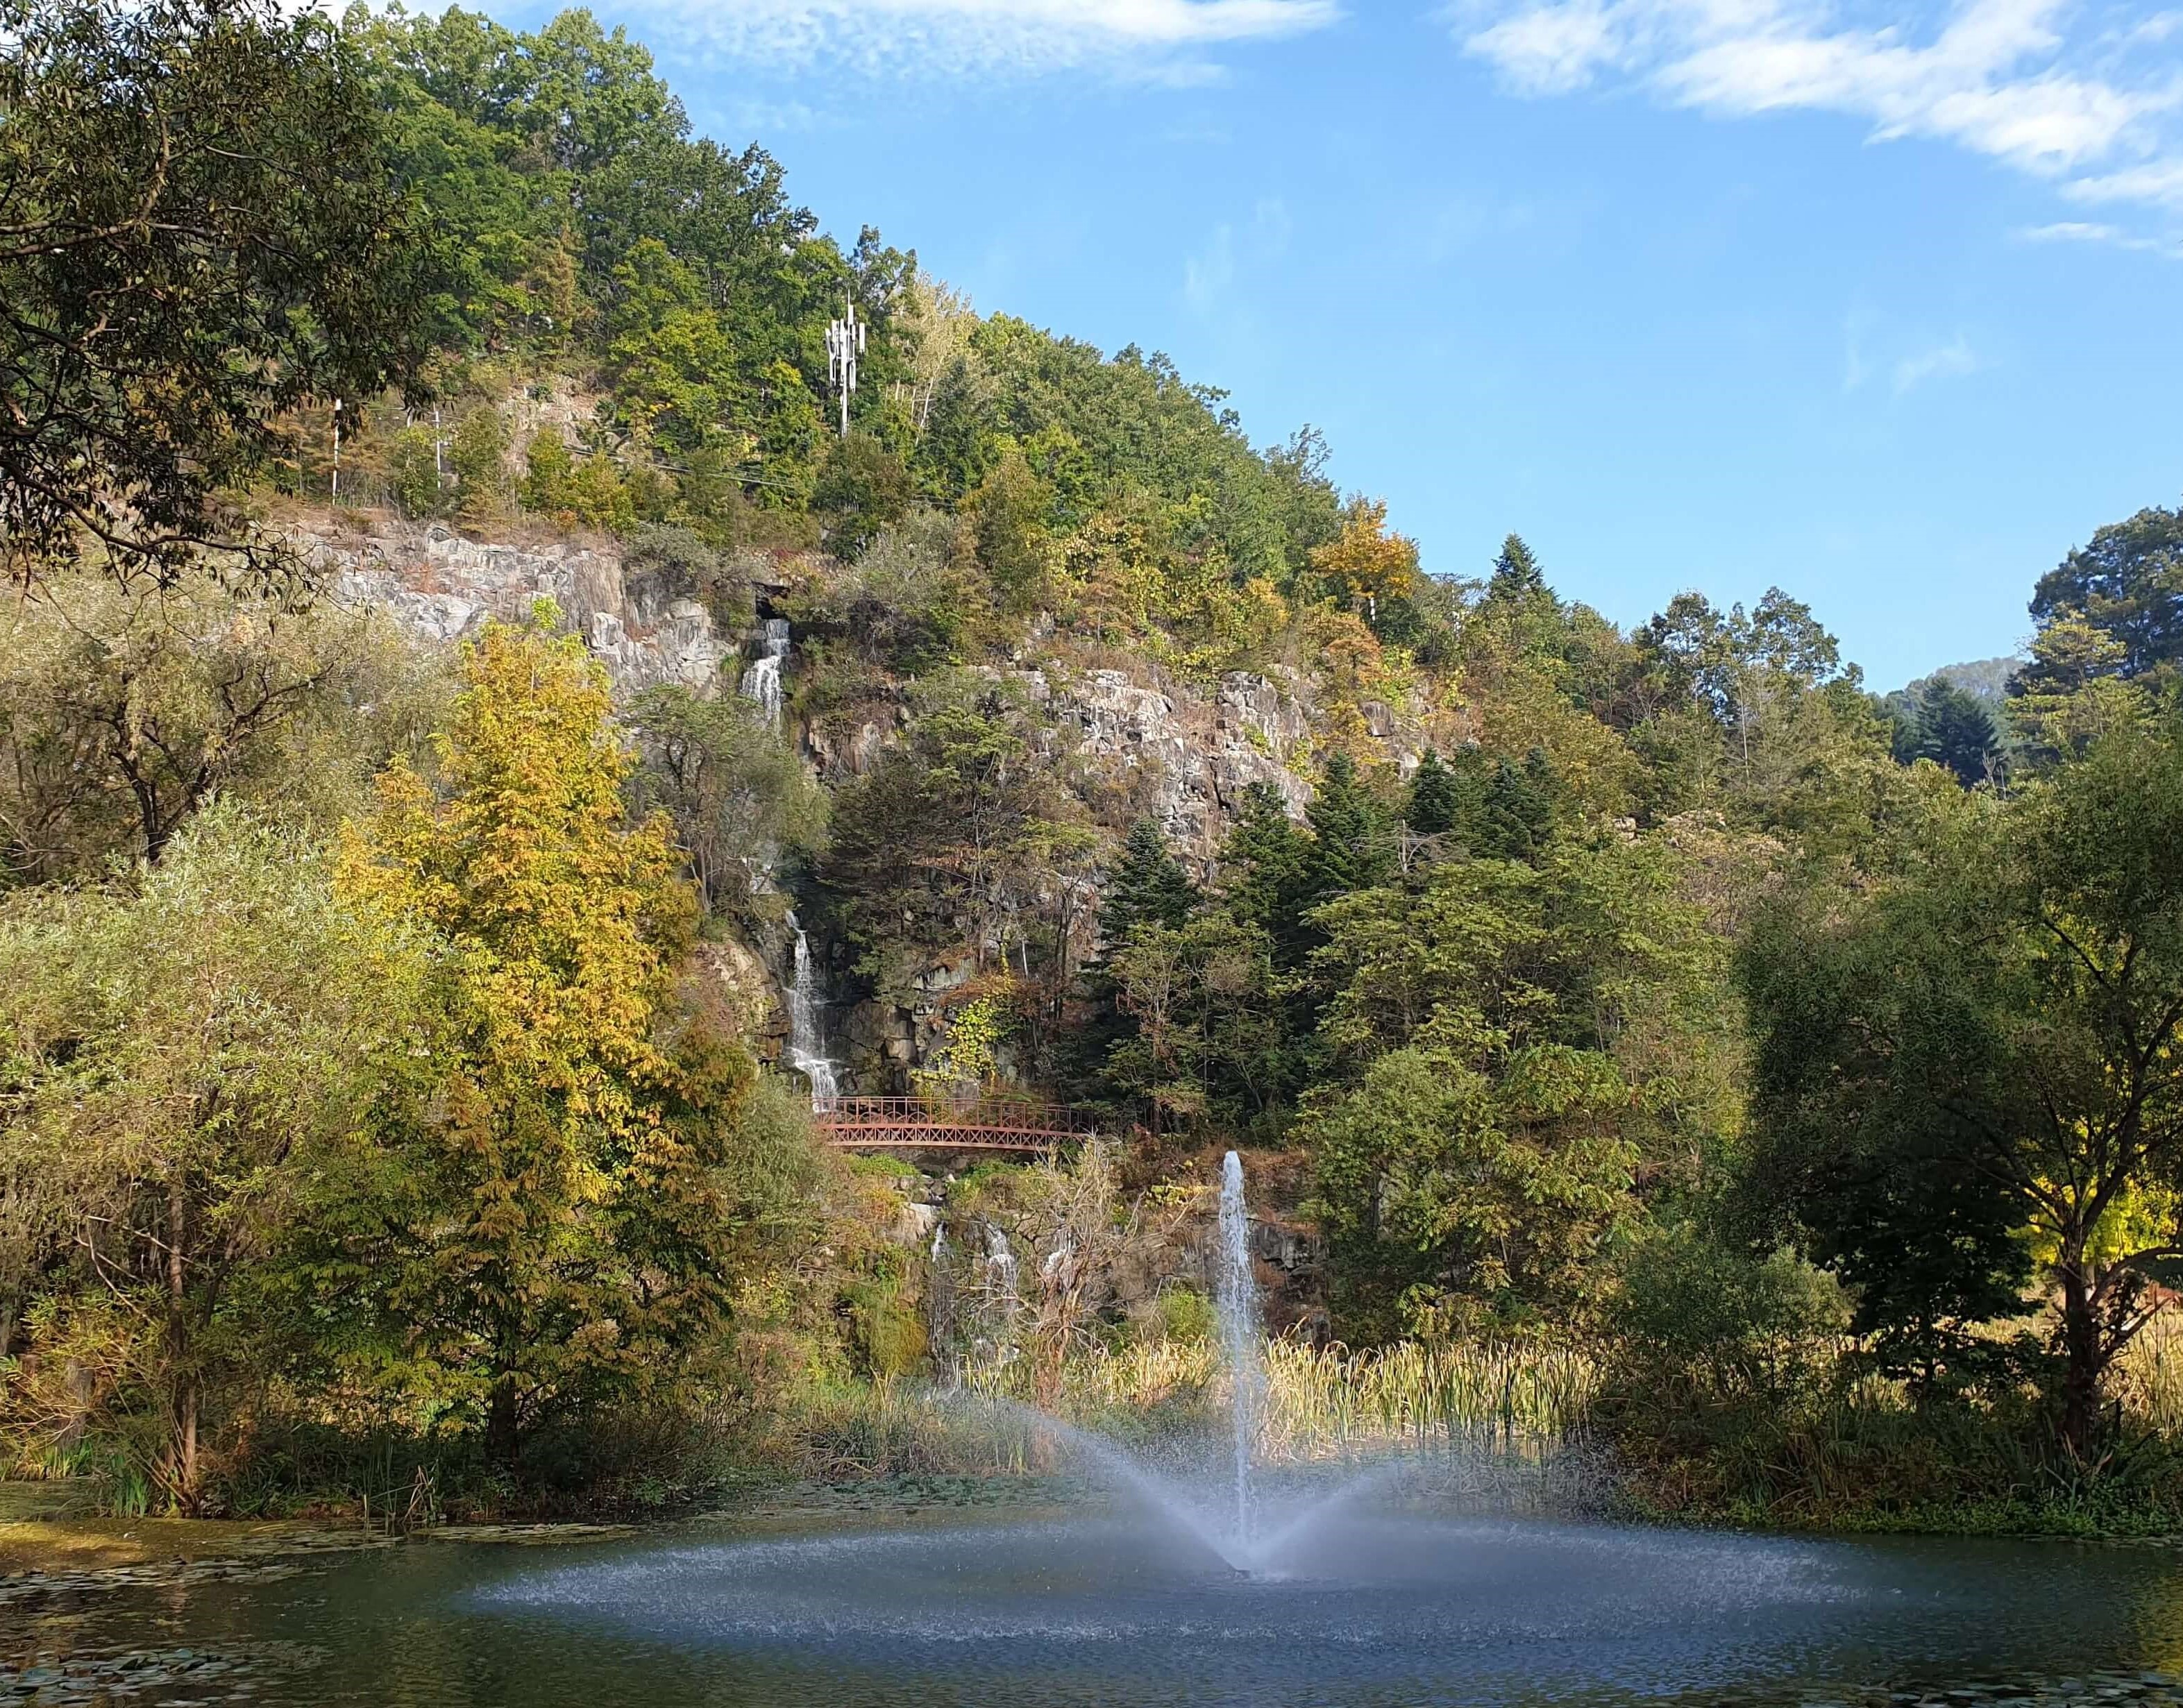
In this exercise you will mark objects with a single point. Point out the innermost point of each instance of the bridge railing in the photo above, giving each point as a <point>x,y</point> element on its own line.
<point>985,1114</point>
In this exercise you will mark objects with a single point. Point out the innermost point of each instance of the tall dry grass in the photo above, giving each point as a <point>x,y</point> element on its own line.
<point>1320,1402</point>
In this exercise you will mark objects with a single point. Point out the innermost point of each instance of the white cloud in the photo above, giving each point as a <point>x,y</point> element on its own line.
<point>2097,231</point>
<point>2159,181</point>
<point>1877,348</point>
<point>1164,40</point>
<point>2021,81</point>
<point>1948,361</point>
<point>2072,231</point>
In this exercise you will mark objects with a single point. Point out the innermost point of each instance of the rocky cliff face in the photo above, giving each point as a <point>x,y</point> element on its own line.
<point>1181,753</point>
<point>1186,755</point>
<point>444,588</point>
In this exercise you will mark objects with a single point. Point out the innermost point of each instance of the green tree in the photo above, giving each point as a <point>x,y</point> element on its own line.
<point>122,713</point>
<point>863,488</point>
<point>1504,1044</point>
<point>1989,1041</point>
<point>1263,862</point>
<point>1202,1038</point>
<point>478,454</point>
<point>1351,847</point>
<point>1517,573</point>
<point>201,233</point>
<point>938,846</point>
<point>1147,884</point>
<point>2128,585</point>
<point>412,473</point>
<point>1438,801</point>
<point>738,797</point>
<point>188,1053</point>
<point>2074,690</point>
<point>1949,727</point>
<point>1143,889</point>
<point>1008,515</point>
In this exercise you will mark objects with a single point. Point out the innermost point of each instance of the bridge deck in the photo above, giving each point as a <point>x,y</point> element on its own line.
<point>917,1124</point>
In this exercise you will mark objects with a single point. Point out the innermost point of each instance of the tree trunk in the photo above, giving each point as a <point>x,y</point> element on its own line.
<point>181,1471</point>
<point>2081,1345</point>
<point>502,1437</point>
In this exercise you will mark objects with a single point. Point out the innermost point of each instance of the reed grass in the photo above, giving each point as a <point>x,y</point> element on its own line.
<point>1320,1402</point>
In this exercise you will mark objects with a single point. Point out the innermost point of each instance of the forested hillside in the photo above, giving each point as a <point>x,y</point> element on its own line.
<point>395,972</point>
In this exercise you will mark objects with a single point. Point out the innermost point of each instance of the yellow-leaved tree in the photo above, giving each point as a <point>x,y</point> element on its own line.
<point>561,1241</point>
<point>1365,564</point>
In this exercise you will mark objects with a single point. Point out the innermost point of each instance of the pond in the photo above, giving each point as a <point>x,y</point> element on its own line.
<point>1037,1608</point>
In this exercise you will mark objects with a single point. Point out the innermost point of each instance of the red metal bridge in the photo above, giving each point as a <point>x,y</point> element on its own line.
<point>926,1124</point>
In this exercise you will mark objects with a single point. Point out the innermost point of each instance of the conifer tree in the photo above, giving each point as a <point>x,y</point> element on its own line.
<point>1518,810</point>
<point>1146,885</point>
<point>1954,731</point>
<point>1350,847</point>
<point>1262,862</point>
<point>1435,805</point>
<point>1146,891</point>
<point>1516,571</point>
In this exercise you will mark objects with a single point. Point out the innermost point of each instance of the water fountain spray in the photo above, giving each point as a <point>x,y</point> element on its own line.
<point>1241,1335</point>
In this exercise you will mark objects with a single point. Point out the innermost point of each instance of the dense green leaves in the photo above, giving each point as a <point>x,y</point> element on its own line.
<point>200,228</point>
<point>190,1053</point>
<point>2128,585</point>
<point>1989,1042</point>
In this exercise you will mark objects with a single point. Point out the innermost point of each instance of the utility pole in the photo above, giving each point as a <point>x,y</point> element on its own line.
<point>845,342</point>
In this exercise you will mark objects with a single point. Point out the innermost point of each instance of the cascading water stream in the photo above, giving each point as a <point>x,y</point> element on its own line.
<point>807,1038</point>
<point>762,680</point>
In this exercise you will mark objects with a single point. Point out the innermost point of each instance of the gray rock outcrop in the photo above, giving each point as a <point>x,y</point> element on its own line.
<point>444,587</point>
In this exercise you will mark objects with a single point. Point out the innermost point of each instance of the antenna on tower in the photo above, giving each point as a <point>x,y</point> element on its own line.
<point>845,342</point>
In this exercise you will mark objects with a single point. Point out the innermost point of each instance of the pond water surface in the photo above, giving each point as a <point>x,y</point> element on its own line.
<point>1029,1609</point>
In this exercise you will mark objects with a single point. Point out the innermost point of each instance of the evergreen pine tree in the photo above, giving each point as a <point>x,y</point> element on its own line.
<point>1436,803</point>
<point>1262,862</point>
<point>1146,884</point>
<point>1516,572</point>
<point>1350,848</point>
<point>1518,810</point>
<point>1952,730</point>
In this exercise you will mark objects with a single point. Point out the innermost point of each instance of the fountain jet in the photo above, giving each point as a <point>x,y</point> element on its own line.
<point>1242,1336</point>
<point>1231,1518</point>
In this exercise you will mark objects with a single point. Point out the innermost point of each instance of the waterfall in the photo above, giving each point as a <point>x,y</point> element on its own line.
<point>1237,1297</point>
<point>761,681</point>
<point>807,1038</point>
<point>1001,1265</point>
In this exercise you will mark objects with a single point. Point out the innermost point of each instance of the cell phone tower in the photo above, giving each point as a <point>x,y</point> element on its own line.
<point>845,342</point>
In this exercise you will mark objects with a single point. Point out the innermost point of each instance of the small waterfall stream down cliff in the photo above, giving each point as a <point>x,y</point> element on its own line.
<point>762,680</point>
<point>807,1037</point>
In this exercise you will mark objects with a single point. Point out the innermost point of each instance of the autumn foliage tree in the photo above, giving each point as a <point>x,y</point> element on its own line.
<point>561,1244</point>
<point>1364,564</point>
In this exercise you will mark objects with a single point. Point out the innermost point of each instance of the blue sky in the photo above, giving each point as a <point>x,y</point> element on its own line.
<point>1876,304</point>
